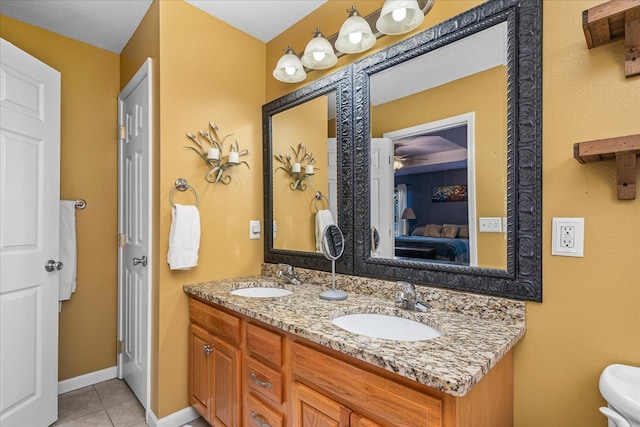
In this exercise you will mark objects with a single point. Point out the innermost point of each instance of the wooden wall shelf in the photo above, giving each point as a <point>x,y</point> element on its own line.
<point>615,20</point>
<point>625,149</point>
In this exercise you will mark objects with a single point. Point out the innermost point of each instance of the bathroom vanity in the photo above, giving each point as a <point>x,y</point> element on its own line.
<point>282,362</point>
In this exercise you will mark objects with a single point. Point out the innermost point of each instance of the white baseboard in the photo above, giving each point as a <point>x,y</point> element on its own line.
<point>176,419</point>
<point>86,380</point>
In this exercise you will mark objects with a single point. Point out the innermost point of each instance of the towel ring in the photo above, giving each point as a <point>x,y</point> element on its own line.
<point>320,196</point>
<point>182,185</point>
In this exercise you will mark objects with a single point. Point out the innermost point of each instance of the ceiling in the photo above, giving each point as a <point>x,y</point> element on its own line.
<point>109,24</point>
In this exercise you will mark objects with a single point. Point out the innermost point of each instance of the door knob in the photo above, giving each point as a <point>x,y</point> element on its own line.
<point>52,265</point>
<point>142,260</point>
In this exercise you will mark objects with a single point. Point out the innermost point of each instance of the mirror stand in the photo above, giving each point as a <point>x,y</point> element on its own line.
<point>333,247</point>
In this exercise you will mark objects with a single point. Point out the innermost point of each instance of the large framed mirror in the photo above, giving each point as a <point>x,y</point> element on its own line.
<point>447,139</point>
<point>311,127</point>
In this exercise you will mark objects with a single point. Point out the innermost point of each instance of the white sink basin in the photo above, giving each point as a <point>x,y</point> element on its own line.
<point>386,327</point>
<point>261,292</point>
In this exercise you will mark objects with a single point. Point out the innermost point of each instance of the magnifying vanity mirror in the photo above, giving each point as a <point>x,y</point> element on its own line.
<point>439,134</point>
<point>457,110</point>
<point>333,248</point>
<point>300,202</point>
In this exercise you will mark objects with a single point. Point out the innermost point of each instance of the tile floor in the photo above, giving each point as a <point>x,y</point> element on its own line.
<point>107,404</point>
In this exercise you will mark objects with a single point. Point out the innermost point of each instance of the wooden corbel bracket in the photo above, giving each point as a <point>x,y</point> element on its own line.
<point>615,20</point>
<point>625,149</point>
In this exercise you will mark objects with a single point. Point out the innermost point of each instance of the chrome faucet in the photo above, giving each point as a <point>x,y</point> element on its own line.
<point>286,271</point>
<point>407,298</point>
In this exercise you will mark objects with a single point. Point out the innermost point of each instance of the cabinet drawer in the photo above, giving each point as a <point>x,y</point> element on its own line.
<point>264,344</point>
<point>375,397</point>
<point>259,414</point>
<point>217,322</point>
<point>264,380</point>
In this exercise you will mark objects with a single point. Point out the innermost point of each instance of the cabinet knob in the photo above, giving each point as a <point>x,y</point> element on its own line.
<point>257,420</point>
<point>207,349</point>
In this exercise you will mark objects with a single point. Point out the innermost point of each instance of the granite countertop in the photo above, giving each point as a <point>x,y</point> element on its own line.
<point>469,346</point>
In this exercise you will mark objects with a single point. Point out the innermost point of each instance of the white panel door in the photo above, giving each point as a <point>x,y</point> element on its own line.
<point>29,233</point>
<point>382,196</point>
<point>135,228</point>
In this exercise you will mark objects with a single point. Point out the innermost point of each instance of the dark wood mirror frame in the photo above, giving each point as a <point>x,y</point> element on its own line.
<point>341,83</point>
<point>522,278</point>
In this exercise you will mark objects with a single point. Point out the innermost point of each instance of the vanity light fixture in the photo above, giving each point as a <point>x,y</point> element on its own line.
<point>319,54</point>
<point>289,68</point>
<point>355,35</point>
<point>399,17</point>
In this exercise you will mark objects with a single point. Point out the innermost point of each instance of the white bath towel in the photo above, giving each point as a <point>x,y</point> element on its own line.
<point>184,237</point>
<point>68,251</point>
<point>323,219</point>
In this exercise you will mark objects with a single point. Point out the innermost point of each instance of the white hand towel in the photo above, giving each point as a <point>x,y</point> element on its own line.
<point>184,237</point>
<point>68,251</point>
<point>323,219</point>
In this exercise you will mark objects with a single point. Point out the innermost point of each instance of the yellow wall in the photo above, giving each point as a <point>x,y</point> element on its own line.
<point>590,316</point>
<point>208,71</point>
<point>485,94</point>
<point>294,211</point>
<point>88,170</point>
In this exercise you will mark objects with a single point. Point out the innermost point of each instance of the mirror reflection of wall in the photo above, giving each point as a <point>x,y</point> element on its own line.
<point>443,86</point>
<point>294,211</point>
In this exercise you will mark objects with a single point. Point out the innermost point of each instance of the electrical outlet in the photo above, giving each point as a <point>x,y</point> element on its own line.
<point>568,237</point>
<point>490,225</point>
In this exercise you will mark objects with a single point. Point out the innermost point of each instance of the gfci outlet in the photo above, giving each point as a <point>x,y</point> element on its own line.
<point>568,237</point>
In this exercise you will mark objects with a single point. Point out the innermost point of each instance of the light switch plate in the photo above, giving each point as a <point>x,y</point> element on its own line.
<point>567,237</point>
<point>254,229</point>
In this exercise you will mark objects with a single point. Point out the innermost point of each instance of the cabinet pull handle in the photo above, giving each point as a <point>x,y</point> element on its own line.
<point>257,421</point>
<point>207,349</point>
<point>257,381</point>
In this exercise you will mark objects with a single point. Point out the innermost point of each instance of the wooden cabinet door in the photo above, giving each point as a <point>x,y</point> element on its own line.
<point>312,409</point>
<point>225,386</point>
<point>199,369</point>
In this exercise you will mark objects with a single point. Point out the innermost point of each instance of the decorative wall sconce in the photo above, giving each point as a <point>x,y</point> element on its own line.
<point>299,166</point>
<point>213,156</point>
<point>355,36</point>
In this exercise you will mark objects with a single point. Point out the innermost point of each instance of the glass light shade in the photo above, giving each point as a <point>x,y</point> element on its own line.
<point>355,35</point>
<point>399,17</point>
<point>319,55</point>
<point>289,68</point>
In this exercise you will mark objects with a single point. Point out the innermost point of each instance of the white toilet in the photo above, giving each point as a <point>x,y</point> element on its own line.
<point>620,386</point>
